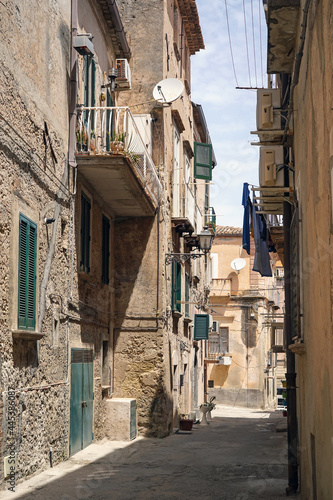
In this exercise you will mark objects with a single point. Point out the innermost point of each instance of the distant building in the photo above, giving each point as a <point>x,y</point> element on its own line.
<point>242,364</point>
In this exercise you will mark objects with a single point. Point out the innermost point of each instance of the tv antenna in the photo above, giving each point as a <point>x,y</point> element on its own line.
<point>168,90</point>
<point>238,264</point>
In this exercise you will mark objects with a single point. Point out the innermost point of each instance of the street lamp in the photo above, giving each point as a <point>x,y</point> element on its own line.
<point>205,244</point>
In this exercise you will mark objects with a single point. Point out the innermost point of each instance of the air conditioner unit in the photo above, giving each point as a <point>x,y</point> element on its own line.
<point>123,80</point>
<point>215,327</point>
<point>225,360</point>
<point>268,100</point>
<point>271,166</point>
<point>83,44</point>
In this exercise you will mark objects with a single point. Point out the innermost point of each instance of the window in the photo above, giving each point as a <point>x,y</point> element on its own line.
<point>27,273</point>
<point>176,286</point>
<point>89,91</point>
<point>203,161</point>
<point>85,233</point>
<point>201,325</point>
<point>105,249</point>
<point>224,336</point>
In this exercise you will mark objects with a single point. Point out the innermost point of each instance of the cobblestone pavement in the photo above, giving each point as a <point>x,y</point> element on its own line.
<point>238,456</point>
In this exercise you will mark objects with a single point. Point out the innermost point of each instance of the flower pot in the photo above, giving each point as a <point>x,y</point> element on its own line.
<point>185,424</point>
<point>204,410</point>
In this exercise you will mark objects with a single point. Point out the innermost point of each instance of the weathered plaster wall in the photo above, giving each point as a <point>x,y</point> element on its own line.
<point>313,147</point>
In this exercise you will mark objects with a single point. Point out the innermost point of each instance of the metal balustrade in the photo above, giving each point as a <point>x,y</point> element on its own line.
<point>113,131</point>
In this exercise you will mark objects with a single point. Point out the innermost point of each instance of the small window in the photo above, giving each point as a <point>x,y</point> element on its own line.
<point>27,273</point>
<point>85,233</point>
<point>203,161</point>
<point>105,250</point>
<point>224,335</point>
<point>210,384</point>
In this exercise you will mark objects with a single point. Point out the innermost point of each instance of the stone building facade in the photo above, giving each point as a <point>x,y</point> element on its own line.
<point>300,57</point>
<point>91,203</point>
<point>242,363</point>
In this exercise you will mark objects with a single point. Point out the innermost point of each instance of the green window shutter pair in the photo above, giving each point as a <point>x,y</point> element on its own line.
<point>27,273</point>
<point>105,250</point>
<point>176,286</point>
<point>203,161</point>
<point>85,234</point>
<point>201,326</point>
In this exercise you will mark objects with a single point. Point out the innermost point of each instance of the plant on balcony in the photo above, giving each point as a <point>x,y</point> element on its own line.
<point>82,140</point>
<point>117,143</point>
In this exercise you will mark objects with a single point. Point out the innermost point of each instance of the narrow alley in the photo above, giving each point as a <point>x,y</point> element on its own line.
<point>238,456</point>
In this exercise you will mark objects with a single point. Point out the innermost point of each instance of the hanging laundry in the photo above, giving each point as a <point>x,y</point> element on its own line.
<point>261,256</point>
<point>246,202</point>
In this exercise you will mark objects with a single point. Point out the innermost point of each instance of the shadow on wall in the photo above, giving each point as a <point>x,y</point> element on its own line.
<point>219,374</point>
<point>234,283</point>
<point>134,273</point>
<point>160,415</point>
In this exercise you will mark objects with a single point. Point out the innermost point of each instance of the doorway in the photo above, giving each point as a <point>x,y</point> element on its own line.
<point>82,396</point>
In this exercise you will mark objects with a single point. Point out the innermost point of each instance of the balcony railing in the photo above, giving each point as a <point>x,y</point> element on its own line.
<point>113,131</point>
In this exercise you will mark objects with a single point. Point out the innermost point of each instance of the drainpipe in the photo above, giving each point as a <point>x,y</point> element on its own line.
<point>290,375</point>
<point>73,87</point>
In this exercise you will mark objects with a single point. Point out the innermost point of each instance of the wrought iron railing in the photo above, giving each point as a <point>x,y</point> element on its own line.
<point>113,131</point>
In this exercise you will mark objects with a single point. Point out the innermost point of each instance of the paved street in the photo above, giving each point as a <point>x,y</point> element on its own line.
<point>238,456</point>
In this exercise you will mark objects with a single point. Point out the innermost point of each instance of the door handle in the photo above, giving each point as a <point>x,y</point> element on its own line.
<point>84,404</point>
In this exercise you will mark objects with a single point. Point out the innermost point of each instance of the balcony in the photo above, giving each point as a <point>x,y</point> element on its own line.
<point>112,156</point>
<point>282,18</point>
<point>210,220</point>
<point>184,214</point>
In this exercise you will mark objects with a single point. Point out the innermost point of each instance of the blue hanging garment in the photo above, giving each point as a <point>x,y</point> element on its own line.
<point>246,202</point>
<point>261,256</point>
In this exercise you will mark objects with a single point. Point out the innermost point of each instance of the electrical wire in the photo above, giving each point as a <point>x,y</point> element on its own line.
<point>246,43</point>
<point>230,45</point>
<point>254,45</point>
<point>260,40</point>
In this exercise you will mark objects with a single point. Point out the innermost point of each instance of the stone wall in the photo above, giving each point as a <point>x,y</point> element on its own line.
<point>313,155</point>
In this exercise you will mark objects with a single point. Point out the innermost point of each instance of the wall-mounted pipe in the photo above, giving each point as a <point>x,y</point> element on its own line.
<point>73,87</point>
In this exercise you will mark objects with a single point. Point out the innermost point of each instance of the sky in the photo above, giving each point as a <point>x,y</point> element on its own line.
<point>230,113</point>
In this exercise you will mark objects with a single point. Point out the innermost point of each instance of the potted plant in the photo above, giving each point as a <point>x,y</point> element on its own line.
<point>185,423</point>
<point>117,144</point>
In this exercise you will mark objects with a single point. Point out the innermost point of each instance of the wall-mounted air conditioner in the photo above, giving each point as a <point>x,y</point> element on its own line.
<point>225,360</point>
<point>215,327</point>
<point>271,166</point>
<point>83,45</point>
<point>268,109</point>
<point>123,80</point>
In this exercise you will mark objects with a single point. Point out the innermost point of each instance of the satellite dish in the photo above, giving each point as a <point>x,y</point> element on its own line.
<point>168,90</point>
<point>238,264</point>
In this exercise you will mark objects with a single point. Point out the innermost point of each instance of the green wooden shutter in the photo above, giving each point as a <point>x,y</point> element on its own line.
<point>105,249</point>
<point>176,287</point>
<point>203,161</point>
<point>201,325</point>
<point>27,273</point>
<point>92,92</point>
<point>187,295</point>
<point>85,234</point>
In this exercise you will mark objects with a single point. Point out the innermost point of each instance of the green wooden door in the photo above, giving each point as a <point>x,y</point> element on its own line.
<point>81,407</point>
